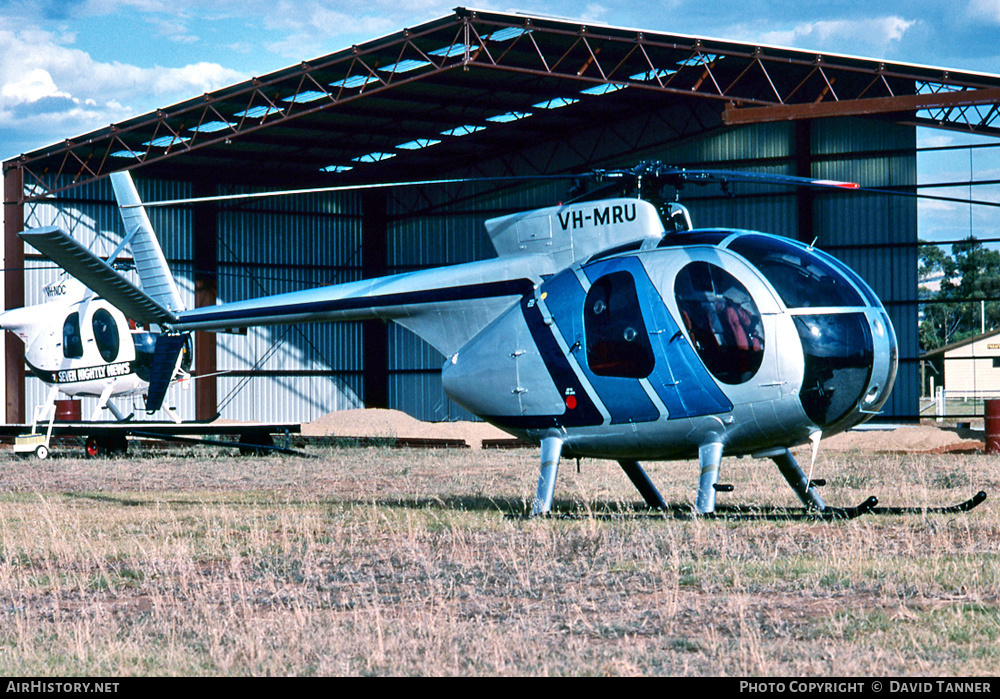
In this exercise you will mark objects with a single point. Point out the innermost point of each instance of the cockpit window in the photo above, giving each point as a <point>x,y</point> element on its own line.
<point>617,339</point>
<point>145,349</point>
<point>801,277</point>
<point>106,334</point>
<point>72,342</point>
<point>694,238</point>
<point>722,321</point>
<point>838,353</point>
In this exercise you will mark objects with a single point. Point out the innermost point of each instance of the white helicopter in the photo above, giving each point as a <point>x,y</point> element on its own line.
<point>80,344</point>
<point>611,329</point>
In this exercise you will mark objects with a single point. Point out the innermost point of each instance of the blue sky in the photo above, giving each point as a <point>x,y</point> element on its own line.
<point>69,67</point>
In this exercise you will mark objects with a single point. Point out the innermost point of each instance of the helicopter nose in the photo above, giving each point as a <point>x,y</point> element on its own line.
<point>884,363</point>
<point>850,366</point>
<point>20,321</point>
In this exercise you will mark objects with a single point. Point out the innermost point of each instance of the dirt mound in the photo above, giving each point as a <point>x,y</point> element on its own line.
<point>377,422</point>
<point>915,438</point>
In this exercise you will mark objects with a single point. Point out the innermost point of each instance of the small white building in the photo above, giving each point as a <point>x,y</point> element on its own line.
<point>969,369</point>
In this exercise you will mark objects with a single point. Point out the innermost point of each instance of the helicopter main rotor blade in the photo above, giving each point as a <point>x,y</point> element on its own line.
<point>764,178</point>
<point>346,188</point>
<point>650,172</point>
<point>641,177</point>
<point>932,197</point>
<point>679,176</point>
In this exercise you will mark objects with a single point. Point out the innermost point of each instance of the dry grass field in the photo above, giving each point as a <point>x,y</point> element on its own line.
<point>379,561</point>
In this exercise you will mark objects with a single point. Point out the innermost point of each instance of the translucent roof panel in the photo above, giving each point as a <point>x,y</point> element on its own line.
<point>509,116</point>
<point>419,143</point>
<point>453,50</point>
<point>652,74</point>
<point>309,96</point>
<point>166,141</point>
<point>212,127</point>
<point>507,34</point>
<point>603,89</point>
<point>556,102</point>
<point>355,81</point>
<point>404,66</point>
<point>374,157</point>
<point>700,59</point>
<point>463,130</point>
<point>257,112</point>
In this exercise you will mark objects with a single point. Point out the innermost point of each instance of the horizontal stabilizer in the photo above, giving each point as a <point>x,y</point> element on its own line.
<point>73,257</point>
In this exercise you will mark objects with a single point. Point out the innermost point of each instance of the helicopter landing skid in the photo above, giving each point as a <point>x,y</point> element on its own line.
<point>765,513</point>
<point>868,507</point>
<point>965,506</point>
<point>723,513</point>
<point>777,513</point>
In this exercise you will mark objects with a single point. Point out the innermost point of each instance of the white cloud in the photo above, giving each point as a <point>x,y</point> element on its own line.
<point>35,85</point>
<point>310,28</point>
<point>174,29</point>
<point>984,10</point>
<point>874,35</point>
<point>50,90</point>
<point>190,80</point>
<point>595,13</point>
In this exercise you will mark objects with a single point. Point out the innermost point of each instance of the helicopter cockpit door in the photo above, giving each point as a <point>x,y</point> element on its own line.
<point>627,345</point>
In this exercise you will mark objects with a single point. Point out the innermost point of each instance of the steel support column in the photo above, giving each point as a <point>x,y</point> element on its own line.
<point>375,333</point>
<point>804,196</point>
<point>204,231</point>
<point>13,288</point>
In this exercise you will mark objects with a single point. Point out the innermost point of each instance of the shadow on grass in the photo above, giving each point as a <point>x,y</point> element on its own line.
<point>520,508</point>
<point>511,507</point>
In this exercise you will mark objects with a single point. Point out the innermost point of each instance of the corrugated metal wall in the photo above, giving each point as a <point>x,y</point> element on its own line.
<point>289,373</point>
<point>876,234</point>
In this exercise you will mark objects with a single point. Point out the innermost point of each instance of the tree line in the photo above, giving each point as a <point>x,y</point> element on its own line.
<point>968,300</point>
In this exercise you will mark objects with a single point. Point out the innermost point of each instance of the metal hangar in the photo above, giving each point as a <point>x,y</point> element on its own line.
<point>470,95</point>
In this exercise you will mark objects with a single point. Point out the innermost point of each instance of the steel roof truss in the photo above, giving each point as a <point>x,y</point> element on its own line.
<point>741,75</point>
<point>755,63</point>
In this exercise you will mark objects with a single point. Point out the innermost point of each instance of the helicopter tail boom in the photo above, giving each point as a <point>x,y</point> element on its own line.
<point>445,307</point>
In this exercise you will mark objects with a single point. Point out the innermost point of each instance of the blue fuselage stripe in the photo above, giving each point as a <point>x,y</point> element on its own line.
<point>679,378</point>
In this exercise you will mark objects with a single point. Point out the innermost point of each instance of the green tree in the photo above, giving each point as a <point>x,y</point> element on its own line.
<point>970,285</point>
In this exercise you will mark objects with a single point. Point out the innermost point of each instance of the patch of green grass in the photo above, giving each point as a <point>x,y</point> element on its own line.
<point>961,632</point>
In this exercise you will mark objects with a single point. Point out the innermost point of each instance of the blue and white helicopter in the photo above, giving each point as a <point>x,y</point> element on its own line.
<point>606,328</point>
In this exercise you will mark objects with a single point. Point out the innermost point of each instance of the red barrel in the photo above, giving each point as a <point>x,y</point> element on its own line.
<point>69,410</point>
<point>993,426</point>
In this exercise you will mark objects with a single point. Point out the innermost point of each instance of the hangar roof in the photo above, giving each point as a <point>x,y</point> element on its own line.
<point>487,93</point>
